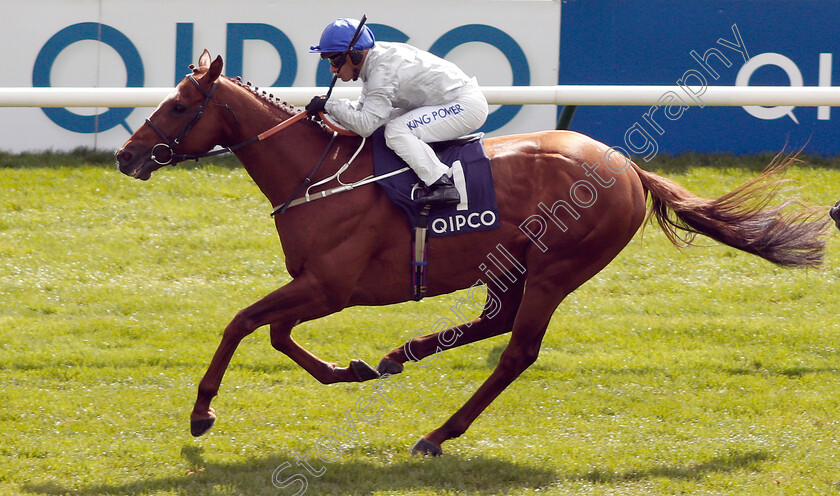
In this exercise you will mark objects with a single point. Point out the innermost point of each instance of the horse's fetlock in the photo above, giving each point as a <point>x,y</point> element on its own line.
<point>329,377</point>
<point>207,391</point>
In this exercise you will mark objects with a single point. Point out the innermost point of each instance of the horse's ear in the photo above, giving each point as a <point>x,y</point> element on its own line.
<point>212,70</point>
<point>215,69</point>
<point>204,60</point>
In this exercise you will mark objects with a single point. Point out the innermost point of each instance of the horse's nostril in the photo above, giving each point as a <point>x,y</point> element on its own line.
<point>125,156</point>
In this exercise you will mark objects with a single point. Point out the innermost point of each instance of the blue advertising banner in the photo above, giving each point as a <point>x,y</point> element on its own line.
<point>700,44</point>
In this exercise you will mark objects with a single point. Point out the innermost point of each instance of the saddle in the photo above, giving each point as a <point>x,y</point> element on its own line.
<point>440,147</point>
<point>470,171</point>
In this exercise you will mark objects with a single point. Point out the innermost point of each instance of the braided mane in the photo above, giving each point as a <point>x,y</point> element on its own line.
<point>270,99</point>
<point>275,103</point>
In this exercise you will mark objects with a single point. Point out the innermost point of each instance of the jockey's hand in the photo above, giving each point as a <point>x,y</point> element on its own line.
<point>316,105</point>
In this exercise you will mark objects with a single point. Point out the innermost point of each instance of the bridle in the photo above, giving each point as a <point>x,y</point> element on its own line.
<point>174,158</point>
<point>168,144</point>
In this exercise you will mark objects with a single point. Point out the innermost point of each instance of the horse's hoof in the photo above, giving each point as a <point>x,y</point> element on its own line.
<point>199,427</point>
<point>424,447</point>
<point>363,371</point>
<point>834,213</point>
<point>389,367</point>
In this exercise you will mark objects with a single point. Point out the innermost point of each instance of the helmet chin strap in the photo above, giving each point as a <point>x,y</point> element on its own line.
<point>357,59</point>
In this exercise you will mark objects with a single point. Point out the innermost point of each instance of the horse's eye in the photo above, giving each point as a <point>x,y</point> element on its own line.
<point>179,108</point>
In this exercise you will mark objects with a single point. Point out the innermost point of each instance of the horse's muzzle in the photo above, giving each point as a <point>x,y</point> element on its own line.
<point>135,165</point>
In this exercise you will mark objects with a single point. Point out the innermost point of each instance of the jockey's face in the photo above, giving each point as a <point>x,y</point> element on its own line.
<point>342,65</point>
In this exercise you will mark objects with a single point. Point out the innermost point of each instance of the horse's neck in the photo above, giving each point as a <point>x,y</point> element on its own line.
<point>280,163</point>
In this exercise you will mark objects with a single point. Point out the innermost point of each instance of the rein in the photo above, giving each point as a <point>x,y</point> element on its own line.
<point>174,158</point>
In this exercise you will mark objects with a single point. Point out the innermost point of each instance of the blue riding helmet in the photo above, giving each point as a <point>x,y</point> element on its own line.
<point>336,37</point>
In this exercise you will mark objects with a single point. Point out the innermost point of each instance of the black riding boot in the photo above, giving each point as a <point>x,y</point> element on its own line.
<point>441,192</point>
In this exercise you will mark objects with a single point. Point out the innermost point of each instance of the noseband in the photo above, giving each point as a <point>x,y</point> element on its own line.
<point>168,144</point>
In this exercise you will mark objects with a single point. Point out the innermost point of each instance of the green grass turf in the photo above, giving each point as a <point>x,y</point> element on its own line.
<point>704,371</point>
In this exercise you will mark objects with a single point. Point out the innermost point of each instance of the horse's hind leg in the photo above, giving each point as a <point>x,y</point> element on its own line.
<point>496,318</point>
<point>324,372</point>
<point>529,327</point>
<point>547,285</point>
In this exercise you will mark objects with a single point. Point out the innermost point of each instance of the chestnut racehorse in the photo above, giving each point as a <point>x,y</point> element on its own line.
<point>567,204</point>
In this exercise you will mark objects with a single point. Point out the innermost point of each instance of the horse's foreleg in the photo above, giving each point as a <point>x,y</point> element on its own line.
<point>300,300</point>
<point>324,372</point>
<point>496,318</point>
<point>203,416</point>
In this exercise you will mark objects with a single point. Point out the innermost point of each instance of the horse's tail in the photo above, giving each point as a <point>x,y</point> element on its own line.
<point>743,218</point>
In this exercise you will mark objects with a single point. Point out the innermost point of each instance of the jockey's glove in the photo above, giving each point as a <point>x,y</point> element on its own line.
<point>316,105</point>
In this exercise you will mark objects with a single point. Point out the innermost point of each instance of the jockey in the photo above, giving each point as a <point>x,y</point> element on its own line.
<point>418,97</point>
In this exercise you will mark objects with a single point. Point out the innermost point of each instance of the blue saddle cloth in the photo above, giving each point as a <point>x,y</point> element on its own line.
<point>471,173</point>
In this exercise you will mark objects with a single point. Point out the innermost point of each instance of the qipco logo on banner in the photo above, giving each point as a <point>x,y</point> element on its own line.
<point>83,32</point>
<point>237,35</point>
<point>794,77</point>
